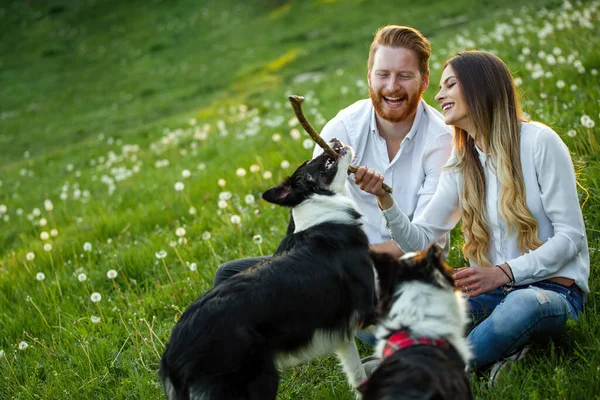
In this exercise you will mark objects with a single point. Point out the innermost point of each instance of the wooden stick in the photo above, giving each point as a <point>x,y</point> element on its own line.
<point>297,106</point>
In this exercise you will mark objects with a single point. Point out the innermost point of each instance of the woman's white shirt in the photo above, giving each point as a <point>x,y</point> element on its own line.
<point>551,196</point>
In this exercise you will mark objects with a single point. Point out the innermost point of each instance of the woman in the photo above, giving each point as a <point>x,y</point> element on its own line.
<point>513,185</point>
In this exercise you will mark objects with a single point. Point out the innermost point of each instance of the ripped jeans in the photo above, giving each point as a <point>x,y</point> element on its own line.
<point>504,323</point>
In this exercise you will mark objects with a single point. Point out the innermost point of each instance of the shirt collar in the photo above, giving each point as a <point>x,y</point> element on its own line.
<point>413,129</point>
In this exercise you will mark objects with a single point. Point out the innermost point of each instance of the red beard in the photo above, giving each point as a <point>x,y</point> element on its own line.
<point>395,115</point>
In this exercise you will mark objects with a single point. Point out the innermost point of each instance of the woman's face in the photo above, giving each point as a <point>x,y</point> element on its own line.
<point>450,97</point>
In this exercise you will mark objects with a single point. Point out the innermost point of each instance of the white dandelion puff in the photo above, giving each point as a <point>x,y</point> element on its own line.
<point>54,232</point>
<point>560,84</point>
<point>179,186</point>
<point>160,254</point>
<point>295,134</point>
<point>186,173</point>
<point>285,164</point>
<point>206,235</point>
<point>276,137</point>
<point>40,276</point>
<point>180,231</point>
<point>48,205</point>
<point>30,256</point>
<point>236,219</point>
<point>95,319</point>
<point>111,274</point>
<point>257,239</point>
<point>222,204</point>
<point>1,353</point>
<point>240,172</point>
<point>267,175</point>
<point>47,247</point>
<point>95,297</point>
<point>23,345</point>
<point>587,122</point>
<point>193,267</point>
<point>307,144</point>
<point>82,277</point>
<point>254,168</point>
<point>44,235</point>
<point>43,222</point>
<point>249,199</point>
<point>192,211</point>
<point>3,208</point>
<point>87,247</point>
<point>221,182</point>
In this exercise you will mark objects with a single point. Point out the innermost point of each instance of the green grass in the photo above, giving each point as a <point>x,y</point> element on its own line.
<point>106,103</point>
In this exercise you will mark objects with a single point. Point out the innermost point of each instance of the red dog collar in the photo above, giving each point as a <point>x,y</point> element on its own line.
<point>401,340</point>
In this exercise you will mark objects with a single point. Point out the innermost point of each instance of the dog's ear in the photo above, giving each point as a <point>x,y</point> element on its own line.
<point>434,254</point>
<point>279,194</point>
<point>386,267</point>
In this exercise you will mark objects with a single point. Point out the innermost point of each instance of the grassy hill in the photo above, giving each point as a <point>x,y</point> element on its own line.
<point>122,122</point>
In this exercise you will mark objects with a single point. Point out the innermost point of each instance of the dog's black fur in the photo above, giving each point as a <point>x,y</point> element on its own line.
<point>230,342</point>
<point>419,371</point>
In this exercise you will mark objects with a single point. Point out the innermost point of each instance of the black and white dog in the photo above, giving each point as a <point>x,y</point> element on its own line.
<point>420,337</point>
<point>304,302</point>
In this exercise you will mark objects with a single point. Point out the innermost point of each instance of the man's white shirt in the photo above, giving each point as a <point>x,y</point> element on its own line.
<point>414,172</point>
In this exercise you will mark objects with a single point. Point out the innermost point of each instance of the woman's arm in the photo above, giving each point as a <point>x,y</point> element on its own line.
<point>558,188</point>
<point>439,217</point>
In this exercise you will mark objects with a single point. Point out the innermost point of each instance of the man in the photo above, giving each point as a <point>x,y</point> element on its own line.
<point>395,132</point>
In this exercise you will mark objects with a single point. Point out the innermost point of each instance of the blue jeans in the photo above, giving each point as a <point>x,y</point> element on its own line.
<point>503,323</point>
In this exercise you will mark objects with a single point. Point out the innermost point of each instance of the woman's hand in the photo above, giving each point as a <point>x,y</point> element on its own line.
<point>477,280</point>
<point>371,181</point>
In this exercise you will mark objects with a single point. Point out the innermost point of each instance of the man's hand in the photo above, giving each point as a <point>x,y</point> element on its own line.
<point>477,280</point>
<point>371,181</point>
<point>389,247</point>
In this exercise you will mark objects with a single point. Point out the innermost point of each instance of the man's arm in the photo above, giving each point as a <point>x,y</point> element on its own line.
<point>390,247</point>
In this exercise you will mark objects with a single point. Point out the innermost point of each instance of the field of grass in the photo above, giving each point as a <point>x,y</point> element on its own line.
<point>137,137</point>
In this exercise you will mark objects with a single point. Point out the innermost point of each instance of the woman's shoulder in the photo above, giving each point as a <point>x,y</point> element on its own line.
<point>539,137</point>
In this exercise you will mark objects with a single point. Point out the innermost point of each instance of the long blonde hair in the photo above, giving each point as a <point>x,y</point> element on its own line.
<point>495,114</point>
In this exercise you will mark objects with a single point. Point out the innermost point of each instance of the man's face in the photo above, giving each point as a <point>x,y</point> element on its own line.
<point>395,83</point>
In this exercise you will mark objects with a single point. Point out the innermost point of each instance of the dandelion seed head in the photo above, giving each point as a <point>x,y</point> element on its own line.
<point>23,345</point>
<point>267,175</point>
<point>295,134</point>
<point>276,137</point>
<point>285,164</point>
<point>222,204</point>
<point>186,173</point>
<point>95,319</point>
<point>179,186</point>
<point>44,235</point>
<point>308,144</point>
<point>587,122</point>
<point>257,239</point>
<point>48,205</point>
<point>36,212</point>
<point>254,168</point>
<point>172,243</point>
<point>96,297</point>
<point>182,241</point>
<point>192,211</point>
<point>3,208</point>
<point>560,84</point>
<point>43,222</point>
<point>240,172</point>
<point>111,274</point>
<point>235,219</point>
<point>193,267</point>
<point>160,254</point>
<point>82,277</point>
<point>249,199</point>
<point>40,276</point>
<point>30,256</point>
<point>180,231</point>
<point>1,353</point>
<point>221,182</point>
<point>225,195</point>
<point>206,235</point>
<point>87,246</point>
<point>47,247</point>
